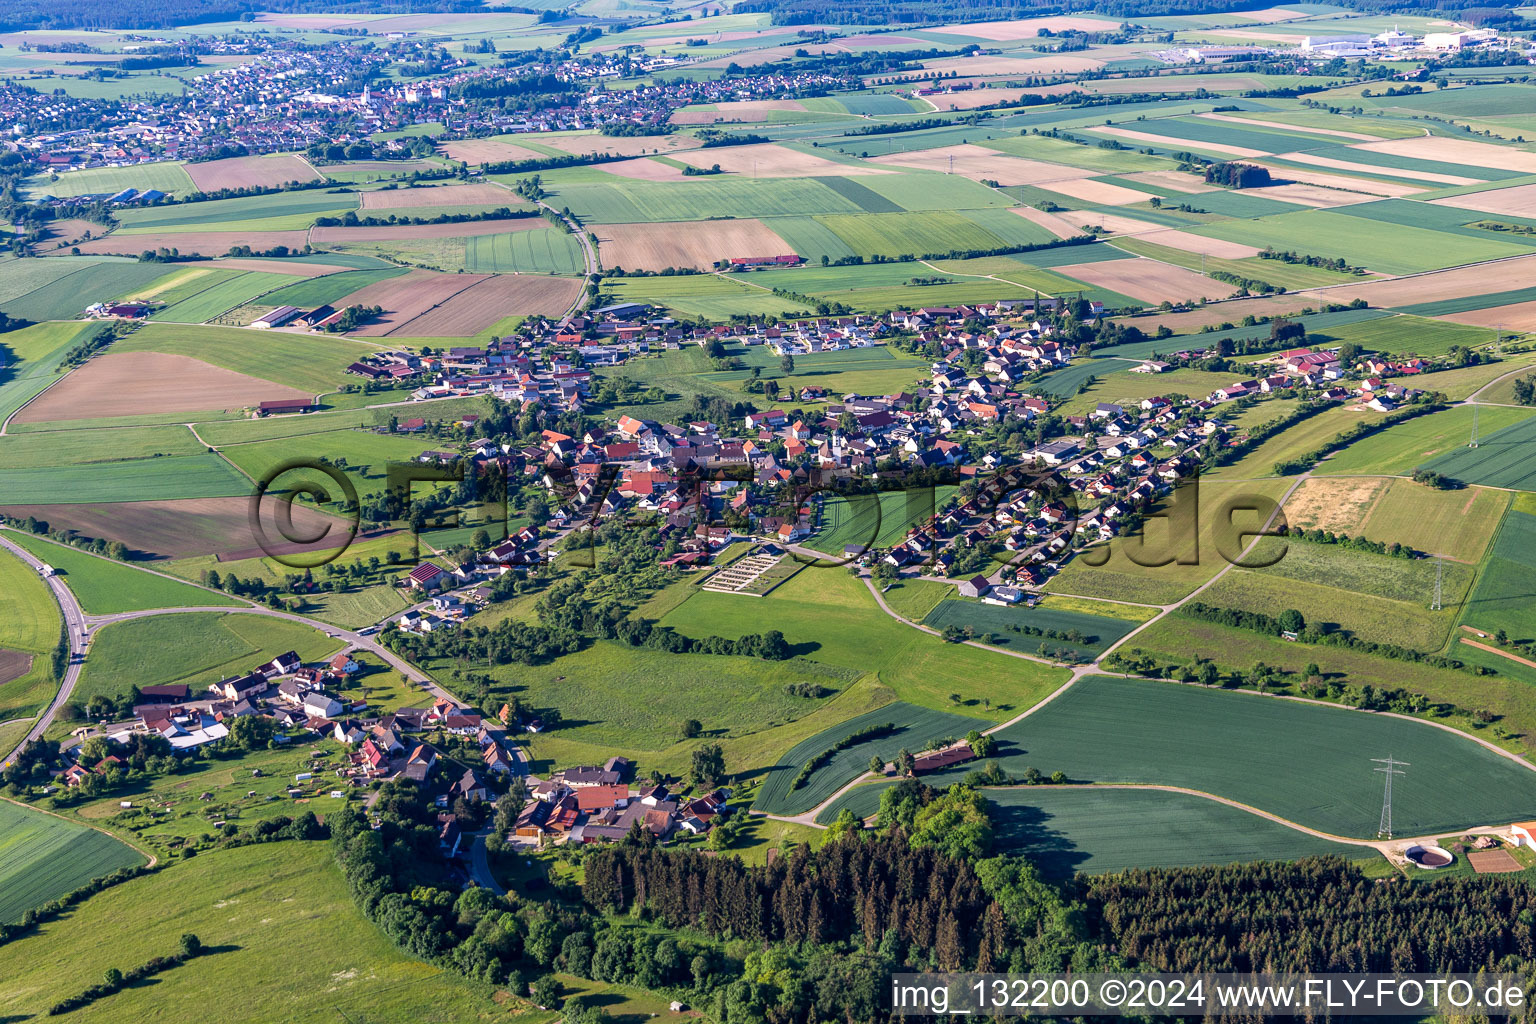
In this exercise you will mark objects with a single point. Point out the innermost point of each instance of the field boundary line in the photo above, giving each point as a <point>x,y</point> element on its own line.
<point>1470,643</point>
<point>17,411</point>
<point>152,858</point>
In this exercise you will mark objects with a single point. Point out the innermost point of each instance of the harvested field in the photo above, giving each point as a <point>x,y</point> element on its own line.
<point>1340,504</point>
<point>439,195</point>
<point>972,98</point>
<point>476,308</point>
<point>405,298</point>
<point>977,162</point>
<point>249,172</point>
<point>1056,64</point>
<point>1310,195</point>
<point>1100,193</point>
<point>13,664</point>
<point>1217,313</point>
<point>204,243</point>
<point>1180,180</point>
<point>663,245</point>
<point>1456,151</point>
<point>1058,226</point>
<point>1519,200</point>
<point>394,232</point>
<point>1165,140</point>
<point>1372,169</point>
<point>643,168</point>
<point>1026,28</point>
<point>1220,248</point>
<point>1341,182</point>
<point>139,383</point>
<point>379,168</point>
<point>63,232</point>
<point>1144,279</point>
<point>486,151</point>
<point>749,111</point>
<point>1482,279</point>
<point>1271,125</point>
<point>638,145</point>
<point>1111,222</point>
<point>770,161</point>
<point>1493,862</point>
<point>1521,316</point>
<point>181,528</point>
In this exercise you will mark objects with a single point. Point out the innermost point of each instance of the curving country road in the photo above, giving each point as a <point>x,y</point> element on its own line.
<point>82,627</point>
<point>78,630</point>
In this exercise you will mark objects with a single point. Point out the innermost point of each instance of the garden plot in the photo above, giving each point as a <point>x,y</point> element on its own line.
<point>743,576</point>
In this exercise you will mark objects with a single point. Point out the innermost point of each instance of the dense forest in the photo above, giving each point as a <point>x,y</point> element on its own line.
<point>1314,915</point>
<point>16,15</point>
<point>920,12</point>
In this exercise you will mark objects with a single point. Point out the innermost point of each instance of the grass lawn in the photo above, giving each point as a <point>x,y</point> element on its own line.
<point>1307,763</point>
<point>1407,335</point>
<point>32,355</point>
<point>196,648</point>
<point>874,520</point>
<point>1425,439</point>
<point>308,362</point>
<point>263,912</point>
<point>191,476</point>
<point>1457,524</point>
<point>29,616</point>
<point>43,857</point>
<point>915,598</point>
<point>1098,830</point>
<point>1504,458</point>
<point>702,295</point>
<point>1128,389</point>
<point>1511,700</point>
<point>105,587</point>
<point>915,728</point>
<point>1006,627</point>
<point>1290,584</point>
<point>829,617</point>
<point>1505,597</point>
<point>1310,433</point>
<point>166,176</point>
<point>1376,245</point>
<point>634,701</point>
<point>1121,578</point>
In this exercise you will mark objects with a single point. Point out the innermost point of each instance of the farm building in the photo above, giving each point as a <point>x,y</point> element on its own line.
<point>946,758</point>
<point>974,587</point>
<point>278,317</point>
<point>1523,833</point>
<point>285,405</point>
<point>767,261</point>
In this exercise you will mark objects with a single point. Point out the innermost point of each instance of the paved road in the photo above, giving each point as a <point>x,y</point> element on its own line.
<point>480,866</point>
<point>79,632</point>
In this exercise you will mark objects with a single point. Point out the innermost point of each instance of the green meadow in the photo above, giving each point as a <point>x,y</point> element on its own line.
<point>105,587</point>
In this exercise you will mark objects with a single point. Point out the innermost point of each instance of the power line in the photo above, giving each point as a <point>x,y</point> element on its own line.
<point>1389,768</point>
<point>1434,605</point>
<point>1473,442</point>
